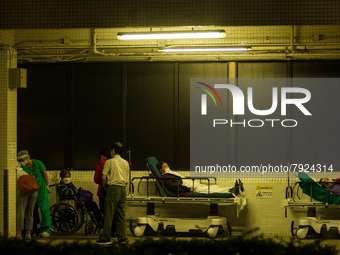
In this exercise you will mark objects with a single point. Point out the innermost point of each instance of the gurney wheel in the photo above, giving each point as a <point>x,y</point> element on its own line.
<point>301,233</point>
<point>212,231</point>
<point>133,228</point>
<point>224,232</point>
<point>139,230</point>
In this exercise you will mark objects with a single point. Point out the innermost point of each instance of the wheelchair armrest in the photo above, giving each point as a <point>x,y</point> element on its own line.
<point>68,198</point>
<point>80,204</point>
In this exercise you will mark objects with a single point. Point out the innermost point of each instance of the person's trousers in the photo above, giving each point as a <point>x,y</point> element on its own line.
<point>44,207</point>
<point>115,205</point>
<point>101,204</point>
<point>25,207</point>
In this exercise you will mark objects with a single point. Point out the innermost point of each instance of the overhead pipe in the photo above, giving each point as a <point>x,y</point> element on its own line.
<point>262,56</point>
<point>153,46</point>
<point>94,43</point>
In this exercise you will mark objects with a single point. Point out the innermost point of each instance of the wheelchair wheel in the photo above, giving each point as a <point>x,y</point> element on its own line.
<point>64,218</point>
<point>89,228</point>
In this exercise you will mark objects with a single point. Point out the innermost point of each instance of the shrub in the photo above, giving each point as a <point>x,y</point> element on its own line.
<point>152,246</point>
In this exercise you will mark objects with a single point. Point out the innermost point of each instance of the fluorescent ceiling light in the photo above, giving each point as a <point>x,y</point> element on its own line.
<point>171,35</point>
<point>203,49</point>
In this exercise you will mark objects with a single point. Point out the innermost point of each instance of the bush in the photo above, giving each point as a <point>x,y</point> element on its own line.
<point>149,246</point>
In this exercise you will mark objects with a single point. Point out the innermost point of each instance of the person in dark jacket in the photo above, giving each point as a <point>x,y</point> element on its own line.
<point>172,182</point>
<point>177,184</point>
<point>333,187</point>
<point>104,155</point>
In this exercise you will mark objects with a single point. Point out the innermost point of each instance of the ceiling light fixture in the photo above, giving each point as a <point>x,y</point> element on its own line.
<point>203,49</point>
<point>171,35</point>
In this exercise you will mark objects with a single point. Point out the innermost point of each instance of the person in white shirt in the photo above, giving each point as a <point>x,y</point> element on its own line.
<point>115,176</point>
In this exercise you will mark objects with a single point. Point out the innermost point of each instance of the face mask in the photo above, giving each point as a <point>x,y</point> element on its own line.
<point>24,163</point>
<point>112,155</point>
<point>67,180</point>
<point>167,169</point>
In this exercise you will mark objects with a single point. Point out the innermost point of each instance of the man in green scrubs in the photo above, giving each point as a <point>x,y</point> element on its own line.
<point>37,168</point>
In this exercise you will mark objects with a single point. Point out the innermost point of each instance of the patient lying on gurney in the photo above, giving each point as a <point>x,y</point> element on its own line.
<point>314,189</point>
<point>333,187</point>
<point>188,185</point>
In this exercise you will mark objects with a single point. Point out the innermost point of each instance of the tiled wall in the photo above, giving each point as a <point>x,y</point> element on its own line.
<point>8,131</point>
<point>123,13</point>
<point>267,214</point>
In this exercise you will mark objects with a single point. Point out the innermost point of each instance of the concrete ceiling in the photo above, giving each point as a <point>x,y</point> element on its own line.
<point>264,42</point>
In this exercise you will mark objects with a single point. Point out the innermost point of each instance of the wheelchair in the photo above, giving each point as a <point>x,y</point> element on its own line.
<point>69,215</point>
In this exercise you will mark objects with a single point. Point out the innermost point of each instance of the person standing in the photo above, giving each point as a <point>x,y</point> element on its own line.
<point>104,155</point>
<point>25,207</point>
<point>115,176</point>
<point>37,168</point>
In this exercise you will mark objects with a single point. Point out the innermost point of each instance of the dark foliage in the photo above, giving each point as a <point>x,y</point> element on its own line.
<point>159,246</point>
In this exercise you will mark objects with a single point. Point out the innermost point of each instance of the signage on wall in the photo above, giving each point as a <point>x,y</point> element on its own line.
<point>12,151</point>
<point>264,191</point>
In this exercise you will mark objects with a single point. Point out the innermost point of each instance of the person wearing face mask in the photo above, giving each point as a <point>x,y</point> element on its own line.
<point>104,155</point>
<point>37,168</point>
<point>175,179</point>
<point>173,182</point>
<point>67,189</point>
<point>115,177</point>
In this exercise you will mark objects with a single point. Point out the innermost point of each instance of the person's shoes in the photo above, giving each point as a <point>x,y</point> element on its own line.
<point>28,237</point>
<point>38,231</point>
<point>44,234</point>
<point>122,239</point>
<point>104,240</point>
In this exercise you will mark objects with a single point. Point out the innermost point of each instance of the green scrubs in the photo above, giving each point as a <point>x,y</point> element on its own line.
<point>42,201</point>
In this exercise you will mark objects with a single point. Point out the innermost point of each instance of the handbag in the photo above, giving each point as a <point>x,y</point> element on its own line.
<point>27,183</point>
<point>85,196</point>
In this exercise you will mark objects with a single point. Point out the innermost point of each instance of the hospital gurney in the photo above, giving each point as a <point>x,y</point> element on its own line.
<point>212,226</point>
<point>318,197</point>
